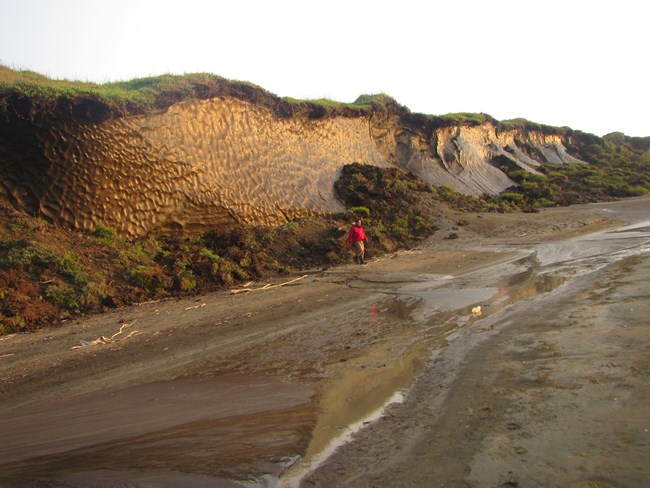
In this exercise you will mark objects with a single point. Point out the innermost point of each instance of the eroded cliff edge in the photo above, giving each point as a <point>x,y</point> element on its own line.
<point>238,159</point>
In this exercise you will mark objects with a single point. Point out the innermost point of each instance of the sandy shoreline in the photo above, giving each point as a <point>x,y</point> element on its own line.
<point>263,379</point>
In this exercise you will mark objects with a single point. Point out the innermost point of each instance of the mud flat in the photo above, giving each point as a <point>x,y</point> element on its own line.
<point>515,355</point>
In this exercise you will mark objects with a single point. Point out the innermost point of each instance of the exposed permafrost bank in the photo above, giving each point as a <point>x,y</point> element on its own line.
<point>464,157</point>
<point>226,161</point>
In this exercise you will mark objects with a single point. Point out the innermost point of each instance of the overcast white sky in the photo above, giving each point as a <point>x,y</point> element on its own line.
<point>575,63</point>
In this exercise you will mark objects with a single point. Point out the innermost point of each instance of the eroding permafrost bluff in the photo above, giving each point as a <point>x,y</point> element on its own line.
<point>226,161</point>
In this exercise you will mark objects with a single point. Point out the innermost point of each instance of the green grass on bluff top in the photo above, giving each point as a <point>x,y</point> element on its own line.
<point>155,93</point>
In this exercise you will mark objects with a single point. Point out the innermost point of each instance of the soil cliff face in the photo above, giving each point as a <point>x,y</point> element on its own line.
<point>464,157</point>
<point>226,161</point>
<point>206,163</point>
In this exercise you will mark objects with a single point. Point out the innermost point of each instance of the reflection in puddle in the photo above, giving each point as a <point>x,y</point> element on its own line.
<point>641,227</point>
<point>400,307</point>
<point>434,301</point>
<point>419,300</point>
<point>607,246</point>
<point>292,478</point>
<point>374,316</point>
<point>547,282</point>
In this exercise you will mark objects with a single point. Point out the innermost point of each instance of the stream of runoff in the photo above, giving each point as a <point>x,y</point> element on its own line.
<point>462,301</point>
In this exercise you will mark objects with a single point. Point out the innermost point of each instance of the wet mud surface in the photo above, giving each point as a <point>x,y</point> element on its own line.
<point>515,355</point>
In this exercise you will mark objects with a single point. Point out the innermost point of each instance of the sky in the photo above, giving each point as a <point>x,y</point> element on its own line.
<point>576,63</point>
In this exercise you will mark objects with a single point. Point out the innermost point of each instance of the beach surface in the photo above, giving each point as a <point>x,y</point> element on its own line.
<point>506,350</point>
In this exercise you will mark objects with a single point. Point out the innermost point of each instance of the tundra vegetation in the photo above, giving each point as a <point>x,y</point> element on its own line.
<point>30,95</point>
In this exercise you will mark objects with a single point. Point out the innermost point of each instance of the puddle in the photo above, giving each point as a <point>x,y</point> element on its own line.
<point>426,295</point>
<point>157,479</point>
<point>391,281</point>
<point>227,424</point>
<point>434,301</point>
<point>640,227</point>
<point>406,277</point>
<point>608,246</point>
<point>401,307</point>
<point>359,395</point>
<point>293,478</point>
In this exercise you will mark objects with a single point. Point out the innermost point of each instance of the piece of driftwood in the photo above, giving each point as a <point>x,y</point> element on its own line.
<point>268,286</point>
<point>109,340</point>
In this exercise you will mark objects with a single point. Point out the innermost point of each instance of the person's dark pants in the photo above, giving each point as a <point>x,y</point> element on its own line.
<point>359,251</point>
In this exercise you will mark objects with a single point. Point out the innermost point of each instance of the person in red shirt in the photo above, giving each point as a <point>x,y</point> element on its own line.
<point>357,239</point>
